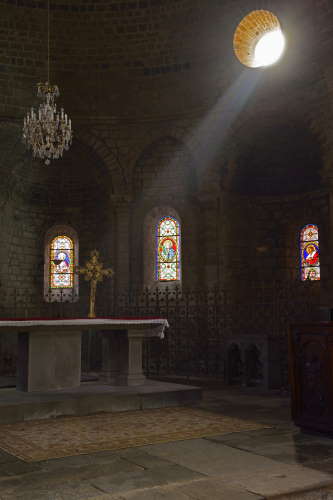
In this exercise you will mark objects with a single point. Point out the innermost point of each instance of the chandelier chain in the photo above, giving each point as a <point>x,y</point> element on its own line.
<point>48,41</point>
<point>47,131</point>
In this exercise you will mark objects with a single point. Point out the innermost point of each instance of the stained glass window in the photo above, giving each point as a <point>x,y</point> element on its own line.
<point>168,250</point>
<point>61,262</point>
<point>309,249</point>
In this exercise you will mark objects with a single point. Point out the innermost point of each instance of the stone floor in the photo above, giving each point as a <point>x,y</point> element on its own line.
<point>279,462</point>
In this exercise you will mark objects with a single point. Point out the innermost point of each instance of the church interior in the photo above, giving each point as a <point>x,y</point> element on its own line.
<point>164,168</point>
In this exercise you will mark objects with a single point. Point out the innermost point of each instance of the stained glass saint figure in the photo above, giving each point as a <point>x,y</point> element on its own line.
<point>309,249</point>
<point>61,262</point>
<point>168,250</point>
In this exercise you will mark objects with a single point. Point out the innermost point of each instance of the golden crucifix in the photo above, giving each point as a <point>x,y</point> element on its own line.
<point>94,272</point>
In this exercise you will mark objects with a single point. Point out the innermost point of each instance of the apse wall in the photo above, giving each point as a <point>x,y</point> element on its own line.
<point>151,83</point>
<point>260,238</point>
<point>131,59</point>
<point>23,215</point>
<point>35,197</point>
<point>134,72</point>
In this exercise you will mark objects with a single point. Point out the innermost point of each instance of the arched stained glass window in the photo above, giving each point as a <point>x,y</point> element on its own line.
<point>309,249</point>
<point>61,261</point>
<point>168,250</point>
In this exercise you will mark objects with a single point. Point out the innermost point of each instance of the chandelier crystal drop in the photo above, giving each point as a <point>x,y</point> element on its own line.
<point>47,132</point>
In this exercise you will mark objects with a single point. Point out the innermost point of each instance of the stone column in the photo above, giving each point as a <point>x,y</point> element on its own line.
<point>210,238</point>
<point>122,205</point>
<point>328,179</point>
<point>130,358</point>
<point>323,126</point>
<point>111,356</point>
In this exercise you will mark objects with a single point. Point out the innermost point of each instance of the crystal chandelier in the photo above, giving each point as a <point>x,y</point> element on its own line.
<point>47,132</point>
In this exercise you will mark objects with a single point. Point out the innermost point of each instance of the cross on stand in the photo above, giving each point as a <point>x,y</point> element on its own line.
<point>95,273</point>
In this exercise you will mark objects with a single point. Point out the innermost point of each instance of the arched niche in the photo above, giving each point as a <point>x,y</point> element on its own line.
<point>61,294</point>
<point>150,224</point>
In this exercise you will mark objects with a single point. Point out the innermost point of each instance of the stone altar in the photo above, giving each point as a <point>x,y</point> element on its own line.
<point>49,350</point>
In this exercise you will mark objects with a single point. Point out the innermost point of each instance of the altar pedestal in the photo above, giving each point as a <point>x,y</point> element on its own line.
<point>47,361</point>
<point>131,359</point>
<point>122,357</point>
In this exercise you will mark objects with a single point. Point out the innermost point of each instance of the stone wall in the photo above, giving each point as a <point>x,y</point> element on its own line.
<point>260,239</point>
<point>145,52</point>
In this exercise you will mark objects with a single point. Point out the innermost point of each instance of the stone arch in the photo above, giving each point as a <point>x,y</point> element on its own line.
<point>276,158</point>
<point>82,164</point>
<point>181,130</point>
<point>164,168</point>
<point>109,154</point>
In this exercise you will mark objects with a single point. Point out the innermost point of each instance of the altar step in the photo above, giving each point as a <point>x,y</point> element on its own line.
<point>11,381</point>
<point>91,398</point>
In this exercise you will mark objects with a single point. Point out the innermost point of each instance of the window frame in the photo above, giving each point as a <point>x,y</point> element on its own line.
<point>60,294</point>
<point>302,245</point>
<point>158,260</point>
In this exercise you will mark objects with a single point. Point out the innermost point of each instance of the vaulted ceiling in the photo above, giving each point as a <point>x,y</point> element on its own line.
<point>125,61</point>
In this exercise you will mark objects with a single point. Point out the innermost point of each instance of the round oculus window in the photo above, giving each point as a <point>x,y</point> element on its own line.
<point>258,39</point>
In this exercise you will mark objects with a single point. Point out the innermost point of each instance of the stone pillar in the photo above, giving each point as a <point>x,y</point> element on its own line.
<point>329,232</point>
<point>122,206</point>
<point>111,356</point>
<point>130,358</point>
<point>327,176</point>
<point>209,238</point>
<point>122,357</point>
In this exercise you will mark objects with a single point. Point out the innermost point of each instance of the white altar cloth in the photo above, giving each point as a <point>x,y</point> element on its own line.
<point>21,324</point>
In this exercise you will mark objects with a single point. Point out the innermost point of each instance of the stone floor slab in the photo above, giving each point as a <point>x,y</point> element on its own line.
<point>283,479</point>
<point>64,474</point>
<point>69,491</point>
<point>147,494</point>
<point>17,468</point>
<point>100,458</point>
<point>281,445</point>
<point>318,494</point>
<point>213,459</point>
<point>215,489</point>
<point>254,473</point>
<point>149,478</point>
<point>6,457</point>
<point>143,459</point>
<point>201,489</point>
